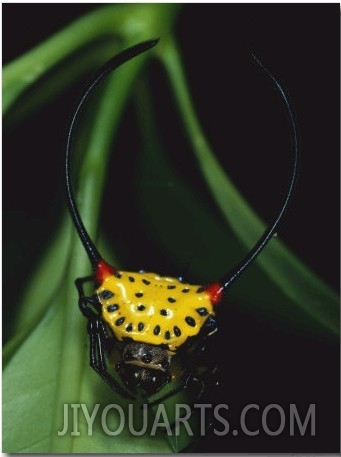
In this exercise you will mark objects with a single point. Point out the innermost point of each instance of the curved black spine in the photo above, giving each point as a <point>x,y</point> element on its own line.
<point>227,280</point>
<point>112,64</point>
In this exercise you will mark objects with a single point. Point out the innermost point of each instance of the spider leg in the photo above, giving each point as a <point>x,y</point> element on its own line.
<point>89,306</point>
<point>184,383</point>
<point>190,375</point>
<point>207,379</point>
<point>98,338</point>
<point>204,382</point>
<point>91,309</point>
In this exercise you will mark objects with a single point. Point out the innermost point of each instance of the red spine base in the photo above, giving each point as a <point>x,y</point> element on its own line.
<point>215,292</point>
<point>103,270</point>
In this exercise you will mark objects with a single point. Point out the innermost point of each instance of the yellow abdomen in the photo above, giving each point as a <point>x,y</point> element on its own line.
<point>152,309</point>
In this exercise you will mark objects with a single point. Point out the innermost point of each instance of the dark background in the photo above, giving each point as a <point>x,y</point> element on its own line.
<point>300,44</point>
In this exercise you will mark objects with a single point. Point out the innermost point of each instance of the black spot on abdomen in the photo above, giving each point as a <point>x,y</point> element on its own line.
<point>190,321</point>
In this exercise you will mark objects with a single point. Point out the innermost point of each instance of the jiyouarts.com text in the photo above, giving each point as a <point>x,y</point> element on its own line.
<point>252,420</point>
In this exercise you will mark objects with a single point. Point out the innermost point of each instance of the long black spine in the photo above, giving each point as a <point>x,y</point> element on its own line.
<point>227,280</point>
<point>112,64</point>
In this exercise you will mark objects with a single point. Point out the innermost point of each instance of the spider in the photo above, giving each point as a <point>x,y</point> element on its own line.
<point>151,329</point>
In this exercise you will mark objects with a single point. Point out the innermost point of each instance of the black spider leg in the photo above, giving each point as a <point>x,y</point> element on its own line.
<point>84,301</point>
<point>206,379</point>
<point>187,378</point>
<point>90,307</point>
<point>204,382</point>
<point>184,383</point>
<point>97,359</point>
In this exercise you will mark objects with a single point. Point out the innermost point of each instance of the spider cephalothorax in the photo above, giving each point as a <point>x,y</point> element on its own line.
<point>144,367</point>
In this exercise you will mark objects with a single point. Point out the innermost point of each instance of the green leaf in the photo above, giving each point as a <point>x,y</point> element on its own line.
<point>122,23</point>
<point>50,271</point>
<point>29,382</point>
